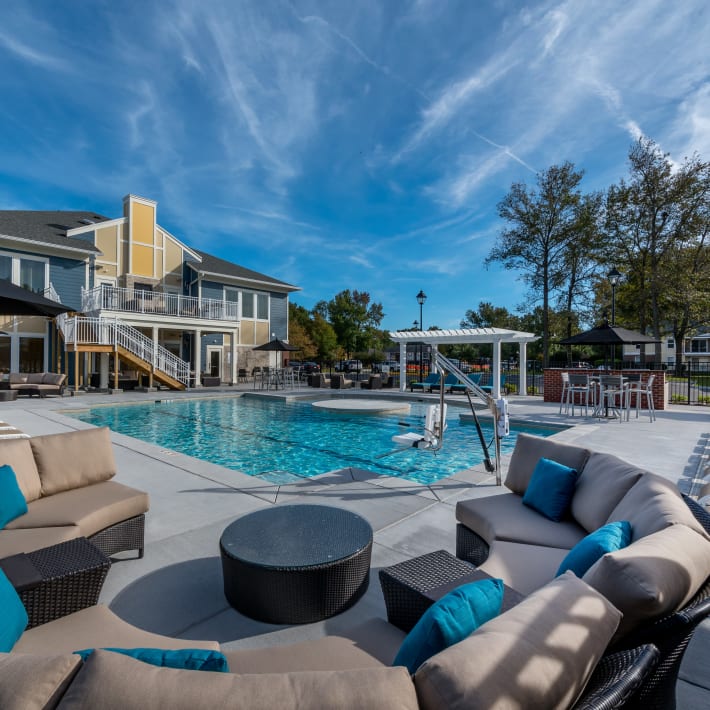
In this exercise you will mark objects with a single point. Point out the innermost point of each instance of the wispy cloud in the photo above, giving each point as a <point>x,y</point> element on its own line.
<point>30,54</point>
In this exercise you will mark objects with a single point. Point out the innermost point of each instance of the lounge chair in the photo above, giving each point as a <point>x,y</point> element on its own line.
<point>449,382</point>
<point>489,388</point>
<point>340,382</point>
<point>318,380</point>
<point>432,378</point>
<point>461,387</point>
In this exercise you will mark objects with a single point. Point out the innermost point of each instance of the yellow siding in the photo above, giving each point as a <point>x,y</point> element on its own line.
<point>247,332</point>
<point>158,267</point>
<point>108,270</point>
<point>106,241</point>
<point>143,227</point>
<point>125,263</point>
<point>158,238</point>
<point>262,332</point>
<point>142,260</point>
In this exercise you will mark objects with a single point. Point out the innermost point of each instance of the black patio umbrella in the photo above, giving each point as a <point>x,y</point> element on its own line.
<point>17,301</point>
<point>608,335</point>
<point>276,345</point>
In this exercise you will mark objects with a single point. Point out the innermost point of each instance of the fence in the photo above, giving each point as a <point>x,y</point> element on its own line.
<point>689,383</point>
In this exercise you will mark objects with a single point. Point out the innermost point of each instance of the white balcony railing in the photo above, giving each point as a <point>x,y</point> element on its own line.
<point>127,300</point>
<point>111,331</point>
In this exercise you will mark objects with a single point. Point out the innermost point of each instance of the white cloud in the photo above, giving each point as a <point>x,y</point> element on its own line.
<point>29,54</point>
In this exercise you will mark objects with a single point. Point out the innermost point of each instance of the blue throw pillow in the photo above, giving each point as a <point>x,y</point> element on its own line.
<point>450,620</point>
<point>608,538</point>
<point>13,615</point>
<point>192,659</point>
<point>12,500</point>
<point>550,489</point>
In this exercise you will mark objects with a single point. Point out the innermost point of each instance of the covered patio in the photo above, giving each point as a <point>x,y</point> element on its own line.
<point>468,336</point>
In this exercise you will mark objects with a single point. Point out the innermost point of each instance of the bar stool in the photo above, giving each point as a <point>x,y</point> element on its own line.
<point>640,389</point>
<point>579,385</point>
<point>614,395</point>
<point>565,387</point>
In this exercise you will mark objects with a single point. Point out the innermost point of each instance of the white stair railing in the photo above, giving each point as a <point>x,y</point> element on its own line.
<point>81,330</point>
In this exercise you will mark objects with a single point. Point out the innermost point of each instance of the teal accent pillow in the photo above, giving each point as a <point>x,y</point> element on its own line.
<point>450,620</point>
<point>608,538</point>
<point>550,489</point>
<point>192,659</point>
<point>13,615</point>
<point>12,499</point>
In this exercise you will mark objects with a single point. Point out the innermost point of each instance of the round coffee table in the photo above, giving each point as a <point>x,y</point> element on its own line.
<point>295,564</point>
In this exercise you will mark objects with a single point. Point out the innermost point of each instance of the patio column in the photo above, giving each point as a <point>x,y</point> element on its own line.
<point>434,352</point>
<point>233,351</point>
<point>403,366</point>
<point>495,391</point>
<point>523,363</point>
<point>198,357</point>
<point>103,370</point>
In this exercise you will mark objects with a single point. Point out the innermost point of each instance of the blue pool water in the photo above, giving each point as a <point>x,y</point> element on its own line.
<point>280,441</point>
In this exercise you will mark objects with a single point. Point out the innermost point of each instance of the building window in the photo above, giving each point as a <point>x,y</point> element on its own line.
<point>6,268</point>
<point>31,354</point>
<point>262,306</point>
<point>670,344</point>
<point>247,305</point>
<point>231,295</point>
<point>30,273</point>
<point>699,346</point>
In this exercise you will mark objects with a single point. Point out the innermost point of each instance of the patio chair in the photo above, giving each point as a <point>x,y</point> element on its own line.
<point>461,387</point>
<point>489,387</point>
<point>318,380</point>
<point>374,382</point>
<point>433,378</point>
<point>340,382</point>
<point>613,393</point>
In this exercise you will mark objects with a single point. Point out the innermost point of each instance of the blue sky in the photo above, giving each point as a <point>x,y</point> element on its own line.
<point>337,144</point>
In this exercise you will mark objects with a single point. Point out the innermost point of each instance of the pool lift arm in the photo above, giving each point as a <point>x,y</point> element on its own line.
<point>435,424</point>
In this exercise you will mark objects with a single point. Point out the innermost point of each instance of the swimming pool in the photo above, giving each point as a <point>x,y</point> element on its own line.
<point>281,441</point>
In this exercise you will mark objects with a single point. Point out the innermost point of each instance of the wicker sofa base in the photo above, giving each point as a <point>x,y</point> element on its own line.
<point>470,547</point>
<point>126,535</point>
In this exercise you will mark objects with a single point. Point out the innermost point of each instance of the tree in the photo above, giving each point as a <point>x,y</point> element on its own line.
<point>543,225</point>
<point>352,317</point>
<point>657,224</point>
<point>299,331</point>
<point>490,316</point>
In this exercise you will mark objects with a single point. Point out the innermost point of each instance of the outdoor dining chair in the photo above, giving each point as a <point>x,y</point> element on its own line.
<point>641,390</point>
<point>580,385</point>
<point>613,396</point>
<point>565,386</point>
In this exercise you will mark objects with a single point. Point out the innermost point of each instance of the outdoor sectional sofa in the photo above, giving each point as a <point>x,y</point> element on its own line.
<point>66,481</point>
<point>540,653</point>
<point>39,383</point>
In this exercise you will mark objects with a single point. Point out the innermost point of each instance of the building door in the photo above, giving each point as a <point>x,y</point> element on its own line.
<point>214,361</point>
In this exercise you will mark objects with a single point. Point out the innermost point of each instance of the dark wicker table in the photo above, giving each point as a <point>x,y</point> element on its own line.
<point>412,586</point>
<point>295,564</point>
<point>57,580</point>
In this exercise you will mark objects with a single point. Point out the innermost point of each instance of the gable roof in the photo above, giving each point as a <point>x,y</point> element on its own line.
<point>214,266</point>
<point>48,227</point>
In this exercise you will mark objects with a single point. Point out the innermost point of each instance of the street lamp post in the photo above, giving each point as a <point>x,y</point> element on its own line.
<point>614,277</point>
<point>421,297</point>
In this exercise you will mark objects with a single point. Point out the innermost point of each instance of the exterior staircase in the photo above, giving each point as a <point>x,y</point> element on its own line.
<point>110,335</point>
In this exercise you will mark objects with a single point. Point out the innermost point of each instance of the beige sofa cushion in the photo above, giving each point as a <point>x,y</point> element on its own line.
<point>33,682</point>
<point>114,682</point>
<point>370,645</point>
<point>530,449</point>
<point>18,378</point>
<point>18,454</point>
<point>654,503</point>
<point>91,508</point>
<point>539,654</point>
<point>604,481</point>
<point>523,567</point>
<point>13,542</point>
<point>504,517</point>
<point>654,575</point>
<point>35,378</point>
<point>73,459</point>
<point>97,627</point>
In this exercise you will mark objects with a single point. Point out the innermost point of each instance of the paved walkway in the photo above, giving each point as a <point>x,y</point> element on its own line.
<point>177,588</point>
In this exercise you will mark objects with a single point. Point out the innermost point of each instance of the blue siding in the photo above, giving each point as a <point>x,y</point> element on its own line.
<point>67,276</point>
<point>279,314</point>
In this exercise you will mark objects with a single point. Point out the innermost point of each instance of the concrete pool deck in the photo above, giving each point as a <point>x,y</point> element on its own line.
<point>176,589</point>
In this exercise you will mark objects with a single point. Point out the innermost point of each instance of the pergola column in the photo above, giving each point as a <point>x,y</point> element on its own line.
<point>434,351</point>
<point>523,365</point>
<point>495,385</point>
<point>403,366</point>
<point>198,358</point>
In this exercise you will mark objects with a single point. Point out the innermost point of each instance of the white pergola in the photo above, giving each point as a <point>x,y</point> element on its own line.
<point>494,336</point>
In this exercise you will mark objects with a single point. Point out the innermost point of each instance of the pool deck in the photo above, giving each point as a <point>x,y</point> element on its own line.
<point>176,589</point>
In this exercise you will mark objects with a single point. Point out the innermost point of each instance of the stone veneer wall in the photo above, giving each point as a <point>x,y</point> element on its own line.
<point>553,383</point>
